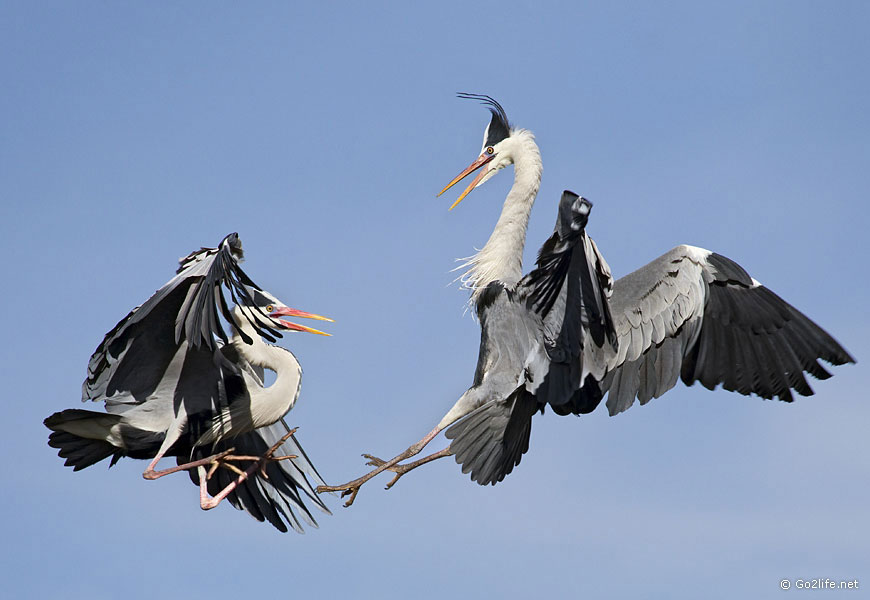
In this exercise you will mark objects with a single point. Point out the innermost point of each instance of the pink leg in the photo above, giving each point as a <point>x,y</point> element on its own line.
<point>259,462</point>
<point>151,474</point>
<point>351,488</point>
<point>208,503</point>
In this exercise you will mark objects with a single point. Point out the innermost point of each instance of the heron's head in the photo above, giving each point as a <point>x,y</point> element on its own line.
<point>267,304</point>
<point>499,146</point>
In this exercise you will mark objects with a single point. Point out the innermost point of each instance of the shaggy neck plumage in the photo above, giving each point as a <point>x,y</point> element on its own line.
<point>501,259</point>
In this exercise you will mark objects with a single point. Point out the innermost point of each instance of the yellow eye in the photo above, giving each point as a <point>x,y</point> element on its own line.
<point>270,308</point>
<point>489,150</point>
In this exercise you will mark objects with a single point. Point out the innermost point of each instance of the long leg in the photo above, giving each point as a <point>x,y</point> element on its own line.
<point>352,487</point>
<point>172,435</point>
<point>470,400</point>
<point>151,474</point>
<point>400,470</point>
<point>259,462</point>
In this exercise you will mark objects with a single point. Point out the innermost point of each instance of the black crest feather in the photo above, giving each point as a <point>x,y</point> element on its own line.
<point>499,127</point>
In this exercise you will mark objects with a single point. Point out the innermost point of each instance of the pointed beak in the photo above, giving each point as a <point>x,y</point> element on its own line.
<point>481,160</point>
<point>292,312</point>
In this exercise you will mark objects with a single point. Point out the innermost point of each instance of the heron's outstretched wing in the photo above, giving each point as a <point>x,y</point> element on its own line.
<point>278,498</point>
<point>695,314</point>
<point>134,357</point>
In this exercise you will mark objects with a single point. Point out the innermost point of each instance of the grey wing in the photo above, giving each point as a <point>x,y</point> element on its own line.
<point>190,399</point>
<point>696,315</point>
<point>278,498</point>
<point>132,360</point>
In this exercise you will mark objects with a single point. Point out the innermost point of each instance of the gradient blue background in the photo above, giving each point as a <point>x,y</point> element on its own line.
<point>133,133</point>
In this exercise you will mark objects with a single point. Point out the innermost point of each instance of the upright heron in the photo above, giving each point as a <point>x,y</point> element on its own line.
<point>174,384</point>
<point>566,334</point>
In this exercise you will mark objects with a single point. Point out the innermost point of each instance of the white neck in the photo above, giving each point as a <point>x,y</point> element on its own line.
<point>268,404</point>
<point>501,259</point>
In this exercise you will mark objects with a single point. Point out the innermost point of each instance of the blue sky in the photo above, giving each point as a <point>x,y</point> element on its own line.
<point>135,133</point>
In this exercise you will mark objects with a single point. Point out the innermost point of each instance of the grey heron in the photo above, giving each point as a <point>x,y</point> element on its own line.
<point>174,384</point>
<point>566,334</point>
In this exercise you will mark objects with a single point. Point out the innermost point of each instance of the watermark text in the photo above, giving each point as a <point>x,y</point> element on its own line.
<point>819,584</point>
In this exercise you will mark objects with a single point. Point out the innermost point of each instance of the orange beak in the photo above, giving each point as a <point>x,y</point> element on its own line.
<point>481,160</point>
<point>292,312</point>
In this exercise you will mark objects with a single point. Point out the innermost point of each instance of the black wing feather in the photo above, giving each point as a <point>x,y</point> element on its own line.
<point>130,361</point>
<point>568,291</point>
<point>732,331</point>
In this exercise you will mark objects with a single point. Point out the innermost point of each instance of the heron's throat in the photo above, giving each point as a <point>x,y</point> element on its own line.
<point>268,404</point>
<point>501,259</point>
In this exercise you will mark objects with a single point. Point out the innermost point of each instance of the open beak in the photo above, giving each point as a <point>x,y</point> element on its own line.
<point>481,160</point>
<point>292,312</point>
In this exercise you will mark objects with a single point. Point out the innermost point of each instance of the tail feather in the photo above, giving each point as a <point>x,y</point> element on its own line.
<point>78,450</point>
<point>491,441</point>
<point>81,452</point>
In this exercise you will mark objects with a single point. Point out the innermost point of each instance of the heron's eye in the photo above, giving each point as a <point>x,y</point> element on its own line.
<point>270,308</point>
<point>489,150</point>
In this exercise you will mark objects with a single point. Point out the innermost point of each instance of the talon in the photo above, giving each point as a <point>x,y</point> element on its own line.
<point>214,467</point>
<point>352,498</point>
<point>286,457</point>
<point>234,469</point>
<point>374,461</point>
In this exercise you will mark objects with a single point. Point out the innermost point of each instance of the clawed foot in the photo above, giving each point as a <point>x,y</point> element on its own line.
<point>346,490</point>
<point>398,469</point>
<point>352,488</point>
<point>226,460</point>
